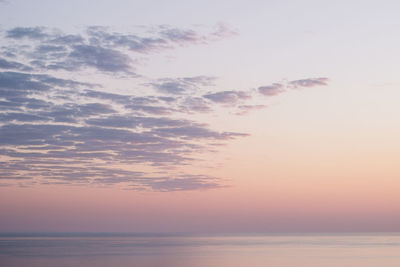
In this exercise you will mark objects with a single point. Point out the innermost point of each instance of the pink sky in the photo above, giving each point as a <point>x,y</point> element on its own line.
<point>244,117</point>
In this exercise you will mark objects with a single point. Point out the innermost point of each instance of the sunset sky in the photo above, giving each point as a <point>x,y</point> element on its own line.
<point>199,116</point>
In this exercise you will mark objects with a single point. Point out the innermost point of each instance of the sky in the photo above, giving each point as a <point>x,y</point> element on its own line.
<point>199,116</point>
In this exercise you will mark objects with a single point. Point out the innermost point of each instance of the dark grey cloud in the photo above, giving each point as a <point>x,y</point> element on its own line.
<point>32,82</point>
<point>6,64</point>
<point>228,97</point>
<point>95,109</point>
<point>71,112</point>
<point>23,117</point>
<point>311,82</point>
<point>28,102</point>
<point>67,39</point>
<point>47,55</point>
<point>17,84</point>
<point>45,49</point>
<point>27,32</point>
<point>10,106</point>
<point>22,82</point>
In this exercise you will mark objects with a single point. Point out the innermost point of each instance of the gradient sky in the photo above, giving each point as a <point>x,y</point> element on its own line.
<point>199,116</point>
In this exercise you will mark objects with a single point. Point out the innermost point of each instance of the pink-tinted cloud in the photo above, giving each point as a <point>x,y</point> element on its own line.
<point>311,82</point>
<point>271,90</point>
<point>228,97</point>
<point>245,109</point>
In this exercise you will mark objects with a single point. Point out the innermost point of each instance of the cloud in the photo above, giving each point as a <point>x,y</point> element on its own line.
<point>103,59</point>
<point>189,36</point>
<point>60,173</point>
<point>156,110</point>
<point>18,84</point>
<point>67,39</point>
<point>277,88</point>
<point>27,32</point>
<point>183,183</point>
<point>6,64</point>
<point>271,90</point>
<point>311,82</point>
<point>194,132</point>
<point>245,109</point>
<point>97,48</point>
<point>58,130</point>
<point>182,36</point>
<point>55,130</point>
<point>194,105</point>
<point>228,97</point>
<point>100,36</point>
<point>15,116</point>
<point>223,30</point>
<point>132,121</point>
<point>184,85</point>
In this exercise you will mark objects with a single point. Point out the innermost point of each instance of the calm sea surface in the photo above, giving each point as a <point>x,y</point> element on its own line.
<point>121,250</point>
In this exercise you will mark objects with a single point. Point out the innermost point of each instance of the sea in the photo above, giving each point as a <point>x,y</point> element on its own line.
<point>178,250</point>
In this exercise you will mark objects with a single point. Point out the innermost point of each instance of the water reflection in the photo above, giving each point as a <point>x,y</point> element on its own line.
<point>198,251</point>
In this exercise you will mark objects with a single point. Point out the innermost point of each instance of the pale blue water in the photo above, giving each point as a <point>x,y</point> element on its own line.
<point>347,250</point>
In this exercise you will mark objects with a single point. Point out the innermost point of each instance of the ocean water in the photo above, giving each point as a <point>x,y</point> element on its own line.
<point>344,250</point>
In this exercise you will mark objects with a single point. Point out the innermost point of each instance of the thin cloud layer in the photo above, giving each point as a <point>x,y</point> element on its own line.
<point>309,82</point>
<point>245,109</point>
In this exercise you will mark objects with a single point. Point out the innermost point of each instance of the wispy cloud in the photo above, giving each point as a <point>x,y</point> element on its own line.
<point>228,97</point>
<point>245,109</point>
<point>271,90</point>
<point>311,82</point>
<point>186,85</point>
